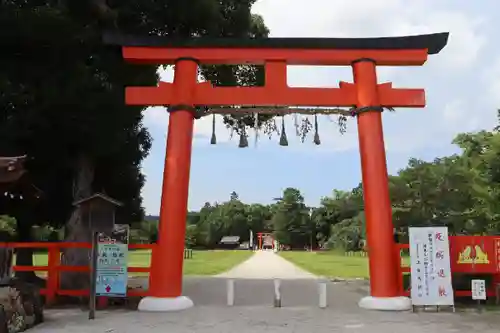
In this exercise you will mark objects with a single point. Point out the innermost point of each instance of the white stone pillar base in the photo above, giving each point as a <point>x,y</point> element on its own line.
<point>163,304</point>
<point>400,303</point>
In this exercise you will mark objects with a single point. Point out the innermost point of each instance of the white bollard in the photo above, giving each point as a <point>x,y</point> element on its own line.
<point>230,292</point>
<point>277,293</point>
<point>322,294</point>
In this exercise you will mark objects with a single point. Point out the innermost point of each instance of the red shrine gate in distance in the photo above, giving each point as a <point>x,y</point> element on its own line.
<point>262,237</point>
<point>186,93</point>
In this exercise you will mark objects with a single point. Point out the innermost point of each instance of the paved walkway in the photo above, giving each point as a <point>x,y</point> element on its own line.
<point>203,319</point>
<point>267,265</point>
<point>255,313</point>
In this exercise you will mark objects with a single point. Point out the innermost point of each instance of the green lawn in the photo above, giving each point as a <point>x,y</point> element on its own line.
<point>202,263</point>
<point>330,263</point>
<point>214,262</point>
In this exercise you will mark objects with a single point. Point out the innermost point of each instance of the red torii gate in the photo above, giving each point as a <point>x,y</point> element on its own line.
<point>186,93</point>
<point>260,239</point>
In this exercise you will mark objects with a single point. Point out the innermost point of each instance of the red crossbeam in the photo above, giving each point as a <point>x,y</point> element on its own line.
<point>206,94</point>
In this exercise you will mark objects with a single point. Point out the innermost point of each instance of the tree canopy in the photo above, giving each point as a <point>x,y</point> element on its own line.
<point>62,97</point>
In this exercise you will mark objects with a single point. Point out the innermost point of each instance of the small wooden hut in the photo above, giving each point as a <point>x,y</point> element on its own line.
<point>229,242</point>
<point>98,212</point>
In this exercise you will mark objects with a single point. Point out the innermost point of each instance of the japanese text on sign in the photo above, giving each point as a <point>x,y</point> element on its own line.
<point>478,288</point>
<point>112,275</point>
<point>430,266</point>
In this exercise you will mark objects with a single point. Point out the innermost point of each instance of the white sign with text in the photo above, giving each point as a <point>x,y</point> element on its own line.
<point>478,289</point>
<point>430,266</point>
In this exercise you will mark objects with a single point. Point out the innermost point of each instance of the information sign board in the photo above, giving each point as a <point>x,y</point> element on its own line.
<point>430,267</point>
<point>112,258</point>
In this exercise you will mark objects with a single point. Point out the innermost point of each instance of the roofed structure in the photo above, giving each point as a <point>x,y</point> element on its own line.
<point>12,168</point>
<point>96,197</point>
<point>98,211</point>
<point>227,240</point>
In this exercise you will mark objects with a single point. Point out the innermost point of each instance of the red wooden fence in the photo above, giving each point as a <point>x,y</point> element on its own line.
<point>54,267</point>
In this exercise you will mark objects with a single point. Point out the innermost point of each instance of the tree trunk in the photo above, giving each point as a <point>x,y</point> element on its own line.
<point>76,230</point>
<point>6,256</point>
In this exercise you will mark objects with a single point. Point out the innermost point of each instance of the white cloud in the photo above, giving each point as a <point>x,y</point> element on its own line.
<point>457,114</point>
<point>491,78</point>
<point>409,129</point>
<point>364,18</point>
<point>156,117</point>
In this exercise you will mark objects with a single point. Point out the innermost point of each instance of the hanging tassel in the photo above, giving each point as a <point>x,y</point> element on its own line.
<point>283,138</point>
<point>316,140</point>
<point>243,138</point>
<point>296,124</point>
<point>213,140</point>
<point>256,128</point>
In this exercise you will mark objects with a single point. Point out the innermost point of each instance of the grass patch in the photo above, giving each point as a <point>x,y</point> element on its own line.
<point>202,263</point>
<point>334,264</point>
<point>329,263</point>
<point>214,262</point>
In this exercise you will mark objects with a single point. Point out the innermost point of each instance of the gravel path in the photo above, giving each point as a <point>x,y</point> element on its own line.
<point>267,265</point>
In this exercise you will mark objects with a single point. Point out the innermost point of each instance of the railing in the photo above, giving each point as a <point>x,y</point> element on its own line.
<point>54,267</point>
<point>188,254</point>
<point>403,269</point>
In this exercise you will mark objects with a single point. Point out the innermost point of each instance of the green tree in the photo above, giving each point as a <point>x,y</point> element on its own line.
<point>259,218</point>
<point>335,209</point>
<point>144,232</point>
<point>65,107</point>
<point>191,236</point>
<point>7,228</point>
<point>234,196</point>
<point>290,220</point>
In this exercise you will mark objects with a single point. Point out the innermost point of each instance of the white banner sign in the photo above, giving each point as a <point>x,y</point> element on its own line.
<point>430,266</point>
<point>478,289</point>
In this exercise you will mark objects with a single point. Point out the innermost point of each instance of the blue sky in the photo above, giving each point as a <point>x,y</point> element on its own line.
<point>462,85</point>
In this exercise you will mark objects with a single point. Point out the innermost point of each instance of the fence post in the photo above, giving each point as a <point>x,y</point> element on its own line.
<point>54,260</point>
<point>399,270</point>
<point>153,250</point>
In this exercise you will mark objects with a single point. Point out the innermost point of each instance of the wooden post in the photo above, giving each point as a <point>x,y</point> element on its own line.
<point>93,275</point>
<point>54,260</point>
<point>397,254</point>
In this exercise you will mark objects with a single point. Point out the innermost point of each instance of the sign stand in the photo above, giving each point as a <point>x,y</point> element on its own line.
<point>93,275</point>
<point>478,288</point>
